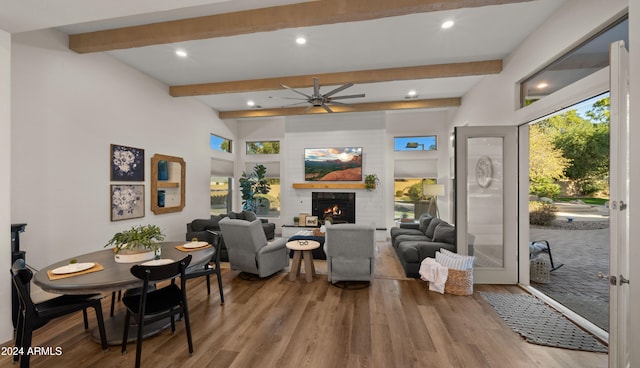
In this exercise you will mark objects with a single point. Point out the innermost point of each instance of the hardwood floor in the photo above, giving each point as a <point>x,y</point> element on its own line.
<point>279,323</point>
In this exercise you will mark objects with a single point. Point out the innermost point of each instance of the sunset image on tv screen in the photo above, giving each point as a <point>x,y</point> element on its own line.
<point>333,164</point>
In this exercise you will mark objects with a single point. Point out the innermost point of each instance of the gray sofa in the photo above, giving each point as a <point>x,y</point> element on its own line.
<point>413,242</point>
<point>200,229</point>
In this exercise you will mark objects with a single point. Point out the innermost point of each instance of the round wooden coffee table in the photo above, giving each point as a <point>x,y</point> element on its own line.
<point>302,249</point>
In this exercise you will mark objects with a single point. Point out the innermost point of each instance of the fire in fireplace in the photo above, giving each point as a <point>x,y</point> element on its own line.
<point>341,207</point>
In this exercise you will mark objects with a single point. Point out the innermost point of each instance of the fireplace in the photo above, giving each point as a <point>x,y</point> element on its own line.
<point>341,207</point>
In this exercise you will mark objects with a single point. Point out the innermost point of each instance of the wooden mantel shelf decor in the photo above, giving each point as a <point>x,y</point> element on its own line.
<point>328,185</point>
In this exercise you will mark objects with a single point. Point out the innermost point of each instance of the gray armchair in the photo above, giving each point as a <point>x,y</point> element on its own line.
<point>351,252</point>
<point>249,250</point>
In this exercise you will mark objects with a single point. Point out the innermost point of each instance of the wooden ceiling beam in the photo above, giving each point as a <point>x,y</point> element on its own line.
<point>363,107</point>
<point>328,79</point>
<point>306,14</point>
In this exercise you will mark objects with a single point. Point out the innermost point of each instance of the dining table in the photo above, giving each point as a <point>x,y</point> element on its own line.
<point>107,276</point>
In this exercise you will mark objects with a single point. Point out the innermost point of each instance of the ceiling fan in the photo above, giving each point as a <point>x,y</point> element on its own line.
<point>321,100</point>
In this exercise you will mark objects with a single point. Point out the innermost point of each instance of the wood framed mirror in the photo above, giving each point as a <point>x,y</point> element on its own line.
<point>167,184</point>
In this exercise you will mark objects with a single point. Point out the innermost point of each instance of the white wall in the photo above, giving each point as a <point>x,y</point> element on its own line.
<point>422,123</point>
<point>333,130</point>
<point>5,181</point>
<point>67,110</point>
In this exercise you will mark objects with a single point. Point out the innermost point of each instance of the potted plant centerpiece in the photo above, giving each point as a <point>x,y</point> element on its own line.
<point>138,244</point>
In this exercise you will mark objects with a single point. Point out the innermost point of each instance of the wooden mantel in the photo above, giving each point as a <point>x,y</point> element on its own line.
<point>328,186</point>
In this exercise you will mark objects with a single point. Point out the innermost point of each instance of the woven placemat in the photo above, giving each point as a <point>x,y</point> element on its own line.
<point>540,324</point>
<point>96,267</point>
<point>183,249</point>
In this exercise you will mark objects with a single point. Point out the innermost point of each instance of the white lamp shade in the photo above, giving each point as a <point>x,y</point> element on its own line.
<point>433,189</point>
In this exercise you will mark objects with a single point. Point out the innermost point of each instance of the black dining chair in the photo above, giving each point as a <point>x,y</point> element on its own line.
<point>212,267</point>
<point>32,316</point>
<point>155,304</point>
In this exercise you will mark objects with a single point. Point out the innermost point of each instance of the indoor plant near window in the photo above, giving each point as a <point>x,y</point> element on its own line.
<point>140,243</point>
<point>251,184</point>
<point>371,181</point>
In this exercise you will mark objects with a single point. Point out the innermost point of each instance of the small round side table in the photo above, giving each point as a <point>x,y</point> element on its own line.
<point>302,249</point>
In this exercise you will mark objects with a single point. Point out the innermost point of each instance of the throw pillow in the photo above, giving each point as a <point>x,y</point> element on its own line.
<point>445,233</point>
<point>202,225</point>
<point>425,220</point>
<point>455,260</point>
<point>432,227</point>
<point>249,216</point>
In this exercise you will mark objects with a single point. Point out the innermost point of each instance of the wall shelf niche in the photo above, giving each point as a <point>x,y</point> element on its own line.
<point>167,184</point>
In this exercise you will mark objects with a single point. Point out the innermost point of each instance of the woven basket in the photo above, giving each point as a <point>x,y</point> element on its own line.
<point>540,269</point>
<point>459,282</point>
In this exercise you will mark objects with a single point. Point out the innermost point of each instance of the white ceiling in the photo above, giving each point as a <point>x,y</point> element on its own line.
<point>480,33</point>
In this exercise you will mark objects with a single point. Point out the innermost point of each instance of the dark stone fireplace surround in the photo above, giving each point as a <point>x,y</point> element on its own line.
<point>341,206</point>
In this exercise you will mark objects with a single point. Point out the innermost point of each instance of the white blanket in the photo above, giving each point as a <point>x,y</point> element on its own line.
<point>435,273</point>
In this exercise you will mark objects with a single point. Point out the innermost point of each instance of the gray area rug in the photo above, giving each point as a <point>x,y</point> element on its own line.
<point>540,324</point>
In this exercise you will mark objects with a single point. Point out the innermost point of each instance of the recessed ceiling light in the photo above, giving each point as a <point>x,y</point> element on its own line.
<point>181,53</point>
<point>412,93</point>
<point>448,24</point>
<point>251,103</point>
<point>301,40</point>
<point>542,85</point>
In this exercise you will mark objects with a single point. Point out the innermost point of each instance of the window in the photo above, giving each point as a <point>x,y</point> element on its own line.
<point>269,204</point>
<point>263,148</point>
<point>409,199</point>
<point>423,143</point>
<point>587,58</point>
<point>220,195</point>
<point>220,144</point>
<point>271,200</point>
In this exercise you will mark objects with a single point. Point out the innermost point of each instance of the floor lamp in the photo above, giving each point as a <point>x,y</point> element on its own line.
<point>433,190</point>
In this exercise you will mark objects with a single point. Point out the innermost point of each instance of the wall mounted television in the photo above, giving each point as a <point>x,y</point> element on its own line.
<point>333,164</point>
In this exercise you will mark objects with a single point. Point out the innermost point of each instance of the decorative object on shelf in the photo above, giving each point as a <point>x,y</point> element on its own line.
<point>311,221</point>
<point>127,201</point>
<point>127,163</point>
<point>371,181</point>
<point>296,220</point>
<point>303,219</point>
<point>253,184</point>
<point>163,170</point>
<point>140,243</point>
<point>161,195</point>
<point>433,190</point>
<point>484,171</point>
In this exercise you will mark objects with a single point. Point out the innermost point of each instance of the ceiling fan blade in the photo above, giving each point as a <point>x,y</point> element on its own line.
<point>309,108</point>
<point>296,91</point>
<point>294,104</point>
<point>326,107</point>
<point>289,98</point>
<point>348,96</point>
<point>316,86</point>
<point>341,88</point>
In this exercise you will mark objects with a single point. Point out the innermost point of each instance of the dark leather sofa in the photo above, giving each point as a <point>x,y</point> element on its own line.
<point>200,229</point>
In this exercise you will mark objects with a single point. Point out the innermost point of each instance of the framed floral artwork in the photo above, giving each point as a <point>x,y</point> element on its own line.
<point>127,201</point>
<point>127,163</point>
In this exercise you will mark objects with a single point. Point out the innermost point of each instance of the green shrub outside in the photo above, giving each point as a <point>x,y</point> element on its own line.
<point>545,188</point>
<point>541,213</point>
